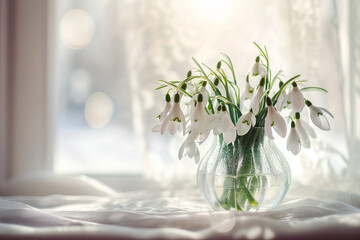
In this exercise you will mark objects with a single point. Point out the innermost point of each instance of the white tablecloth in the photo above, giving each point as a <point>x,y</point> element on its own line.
<point>154,214</point>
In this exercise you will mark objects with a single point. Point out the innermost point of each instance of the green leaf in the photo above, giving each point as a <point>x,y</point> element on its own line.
<point>314,89</point>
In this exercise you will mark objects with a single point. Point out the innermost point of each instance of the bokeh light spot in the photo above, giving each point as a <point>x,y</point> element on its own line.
<point>76,29</point>
<point>99,110</point>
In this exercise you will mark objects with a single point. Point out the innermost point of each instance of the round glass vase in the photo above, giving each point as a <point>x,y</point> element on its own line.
<point>250,174</point>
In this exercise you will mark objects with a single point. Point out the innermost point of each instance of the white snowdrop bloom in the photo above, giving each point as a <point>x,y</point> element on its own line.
<point>175,119</point>
<point>163,113</point>
<point>248,92</point>
<point>296,98</point>
<point>281,102</point>
<point>204,93</point>
<point>317,116</point>
<point>293,143</point>
<point>189,148</point>
<point>302,131</point>
<point>198,119</point>
<point>245,122</point>
<point>258,68</point>
<point>274,120</point>
<point>255,102</point>
<point>224,125</point>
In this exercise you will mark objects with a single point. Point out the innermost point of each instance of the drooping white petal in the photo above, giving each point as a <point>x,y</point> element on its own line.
<point>258,68</point>
<point>275,120</point>
<point>255,102</point>
<point>244,123</point>
<point>230,134</point>
<point>304,138</point>
<point>268,129</point>
<point>293,142</point>
<point>325,110</point>
<point>156,128</point>
<point>253,120</point>
<point>197,155</point>
<point>279,123</point>
<point>165,111</point>
<point>181,150</point>
<point>248,92</point>
<point>166,121</point>
<point>190,148</point>
<point>173,126</point>
<point>297,100</point>
<point>205,94</point>
<point>318,118</point>
<point>309,130</point>
<point>281,101</point>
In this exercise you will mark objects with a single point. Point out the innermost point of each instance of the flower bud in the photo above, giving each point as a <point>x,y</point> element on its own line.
<point>167,97</point>
<point>297,115</point>
<point>223,108</point>
<point>308,103</point>
<point>200,97</point>
<point>189,74</point>
<point>216,81</point>
<point>218,66</point>
<point>268,101</point>
<point>184,86</point>
<point>294,84</point>
<point>257,59</point>
<point>177,98</point>
<point>262,82</point>
<point>219,108</point>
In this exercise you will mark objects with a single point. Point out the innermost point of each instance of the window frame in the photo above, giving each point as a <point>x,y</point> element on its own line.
<point>26,94</point>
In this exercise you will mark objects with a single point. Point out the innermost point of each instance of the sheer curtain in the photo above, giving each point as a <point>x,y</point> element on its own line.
<point>318,39</point>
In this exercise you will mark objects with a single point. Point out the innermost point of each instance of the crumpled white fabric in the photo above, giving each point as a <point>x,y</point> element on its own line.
<point>153,214</point>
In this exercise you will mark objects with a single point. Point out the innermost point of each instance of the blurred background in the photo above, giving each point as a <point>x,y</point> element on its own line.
<point>102,60</point>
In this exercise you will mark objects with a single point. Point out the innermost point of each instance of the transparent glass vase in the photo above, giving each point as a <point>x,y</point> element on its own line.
<point>250,174</point>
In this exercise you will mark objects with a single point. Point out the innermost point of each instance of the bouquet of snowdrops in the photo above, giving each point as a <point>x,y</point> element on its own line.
<point>215,103</point>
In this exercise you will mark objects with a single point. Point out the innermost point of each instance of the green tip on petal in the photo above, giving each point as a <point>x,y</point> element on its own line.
<point>257,59</point>
<point>204,83</point>
<point>294,84</point>
<point>223,108</point>
<point>218,65</point>
<point>167,97</point>
<point>268,101</point>
<point>177,98</point>
<point>216,81</point>
<point>247,78</point>
<point>308,103</point>
<point>184,86</point>
<point>292,124</point>
<point>297,115</point>
<point>200,97</point>
<point>189,74</point>
<point>262,82</point>
<point>219,108</point>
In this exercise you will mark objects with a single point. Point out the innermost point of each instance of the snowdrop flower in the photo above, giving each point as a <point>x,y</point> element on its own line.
<point>163,113</point>
<point>204,92</point>
<point>224,125</point>
<point>249,91</point>
<point>198,119</point>
<point>282,98</point>
<point>274,120</point>
<point>296,98</point>
<point>255,102</point>
<point>192,151</point>
<point>258,68</point>
<point>245,122</point>
<point>175,119</point>
<point>317,116</point>
<point>293,143</point>
<point>304,131</point>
